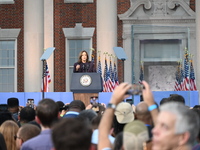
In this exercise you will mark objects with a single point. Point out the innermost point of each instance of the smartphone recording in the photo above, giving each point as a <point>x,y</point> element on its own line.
<point>136,89</point>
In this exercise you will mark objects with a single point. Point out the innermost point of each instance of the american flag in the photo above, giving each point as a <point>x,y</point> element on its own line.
<point>110,81</point>
<point>181,79</point>
<point>111,72</point>
<point>177,85</point>
<point>116,82</point>
<point>47,79</point>
<point>141,73</point>
<point>105,88</point>
<point>99,66</point>
<point>192,77</point>
<point>186,72</point>
<point>107,80</point>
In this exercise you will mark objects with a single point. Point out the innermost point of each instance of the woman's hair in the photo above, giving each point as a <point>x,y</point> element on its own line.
<point>9,129</point>
<point>80,55</point>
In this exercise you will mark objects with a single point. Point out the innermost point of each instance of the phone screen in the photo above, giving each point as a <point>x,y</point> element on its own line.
<point>94,100</point>
<point>30,102</point>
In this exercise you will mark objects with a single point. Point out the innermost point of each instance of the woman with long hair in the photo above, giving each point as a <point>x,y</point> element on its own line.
<point>83,64</point>
<point>9,130</point>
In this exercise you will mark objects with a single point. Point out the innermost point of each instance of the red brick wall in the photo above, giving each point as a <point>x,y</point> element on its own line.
<point>192,4</point>
<point>122,7</point>
<point>11,16</point>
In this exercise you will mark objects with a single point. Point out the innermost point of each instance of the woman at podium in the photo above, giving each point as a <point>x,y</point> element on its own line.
<point>83,64</point>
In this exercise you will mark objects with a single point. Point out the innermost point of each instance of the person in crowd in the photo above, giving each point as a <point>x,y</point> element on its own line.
<point>26,132</point>
<point>47,113</point>
<point>95,122</point>
<point>72,134</point>
<point>107,119</point>
<point>123,114</point>
<point>196,145</point>
<point>87,114</point>
<point>118,95</point>
<point>2,143</point>
<point>118,143</point>
<point>176,128</point>
<point>63,108</point>
<point>60,105</point>
<point>135,134</point>
<point>83,64</point>
<point>163,100</point>
<point>13,107</point>
<point>176,98</point>
<point>99,108</point>
<point>26,115</point>
<point>5,116</point>
<point>3,107</point>
<point>75,107</point>
<point>9,129</point>
<point>142,113</point>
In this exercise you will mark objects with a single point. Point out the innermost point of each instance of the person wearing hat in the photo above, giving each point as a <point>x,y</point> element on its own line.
<point>13,107</point>
<point>124,113</point>
<point>106,122</point>
<point>135,134</point>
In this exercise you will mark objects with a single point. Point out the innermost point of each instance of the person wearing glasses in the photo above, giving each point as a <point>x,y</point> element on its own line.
<point>26,132</point>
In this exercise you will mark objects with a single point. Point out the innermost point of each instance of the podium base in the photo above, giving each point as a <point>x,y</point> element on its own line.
<point>84,97</point>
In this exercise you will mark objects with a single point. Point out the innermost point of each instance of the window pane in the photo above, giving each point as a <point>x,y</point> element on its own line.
<point>7,60</point>
<point>3,45</point>
<point>76,46</point>
<point>162,49</point>
<point>10,45</point>
<point>7,80</point>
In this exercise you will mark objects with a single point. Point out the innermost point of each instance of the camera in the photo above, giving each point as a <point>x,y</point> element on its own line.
<point>65,107</point>
<point>136,89</point>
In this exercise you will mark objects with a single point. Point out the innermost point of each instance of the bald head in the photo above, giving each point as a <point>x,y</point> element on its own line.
<point>142,113</point>
<point>142,109</point>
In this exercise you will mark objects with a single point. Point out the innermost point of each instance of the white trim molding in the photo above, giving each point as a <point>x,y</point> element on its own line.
<point>7,1</point>
<point>78,1</point>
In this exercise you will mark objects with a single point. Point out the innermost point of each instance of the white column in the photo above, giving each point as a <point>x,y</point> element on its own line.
<point>49,37</point>
<point>106,27</point>
<point>33,44</point>
<point>198,43</point>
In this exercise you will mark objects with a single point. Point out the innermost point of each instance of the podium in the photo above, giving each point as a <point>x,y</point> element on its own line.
<point>86,85</point>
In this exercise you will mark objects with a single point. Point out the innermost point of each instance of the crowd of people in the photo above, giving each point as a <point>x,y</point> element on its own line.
<point>118,125</point>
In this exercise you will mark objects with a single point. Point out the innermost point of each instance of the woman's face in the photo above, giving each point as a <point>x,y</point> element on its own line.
<point>84,57</point>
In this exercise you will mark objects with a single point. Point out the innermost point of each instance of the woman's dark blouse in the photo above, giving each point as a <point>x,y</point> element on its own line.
<point>85,67</point>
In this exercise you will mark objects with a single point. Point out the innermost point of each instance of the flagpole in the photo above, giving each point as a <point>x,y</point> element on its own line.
<point>43,75</point>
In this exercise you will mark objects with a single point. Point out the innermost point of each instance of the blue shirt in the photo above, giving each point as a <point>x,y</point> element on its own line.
<point>71,114</point>
<point>41,142</point>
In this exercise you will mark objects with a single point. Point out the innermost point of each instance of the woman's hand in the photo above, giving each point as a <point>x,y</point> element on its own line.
<point>77,67</point>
